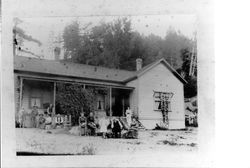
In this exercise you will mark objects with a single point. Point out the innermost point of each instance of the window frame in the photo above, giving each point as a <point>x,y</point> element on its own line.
<point>36,97</point>
<point>159,100</point>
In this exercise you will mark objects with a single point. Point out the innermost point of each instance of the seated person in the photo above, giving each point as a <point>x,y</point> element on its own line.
<point>41,122</point>
<point>59,120</point>
<point>116,128</point>
<point>48,120</point>
<point>82,123</point>
<point>134,124</point>
<point>91,123</point>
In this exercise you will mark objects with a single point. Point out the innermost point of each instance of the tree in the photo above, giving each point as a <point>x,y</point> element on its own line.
<point>116,45</point>
<point>107,44</point>
<point>74,98</point>
<point>153,48</point>
<point>172,45</point>
<point>190,89</point>
<point>72,42</point>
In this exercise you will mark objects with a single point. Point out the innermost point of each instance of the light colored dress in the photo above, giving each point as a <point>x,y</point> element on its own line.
<point>128,116</point>
<point>103,122</point>
<point>21,116</point>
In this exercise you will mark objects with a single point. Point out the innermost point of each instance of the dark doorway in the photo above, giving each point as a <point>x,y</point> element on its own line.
<point>120,101</point>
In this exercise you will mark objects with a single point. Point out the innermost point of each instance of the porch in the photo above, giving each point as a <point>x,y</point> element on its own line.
<point>111,101</point>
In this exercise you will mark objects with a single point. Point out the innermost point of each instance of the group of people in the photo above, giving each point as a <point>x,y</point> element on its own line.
<point>35,119</point>
<point>108,127</point>
<point>105,124</point>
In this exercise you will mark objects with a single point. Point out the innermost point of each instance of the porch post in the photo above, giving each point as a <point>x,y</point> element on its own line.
<point>110,101</point>
<point>123,108</point>
<point>54,100</point>
<point>21,93</point>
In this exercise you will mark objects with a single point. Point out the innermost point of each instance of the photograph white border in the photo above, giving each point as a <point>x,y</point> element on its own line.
<point>45,8</point>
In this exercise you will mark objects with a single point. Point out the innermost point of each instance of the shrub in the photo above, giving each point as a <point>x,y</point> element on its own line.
<point>74,98</point>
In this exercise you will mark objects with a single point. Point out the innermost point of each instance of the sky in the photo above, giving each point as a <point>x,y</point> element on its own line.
<point>42,28</point>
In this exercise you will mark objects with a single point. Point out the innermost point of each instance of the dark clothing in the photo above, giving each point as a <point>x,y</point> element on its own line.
<point>82,124</point>
<point>41,120</point>
<point>90,119</point>
<point>116,129</point>
<point>82,121</point>
<point>91,124</point>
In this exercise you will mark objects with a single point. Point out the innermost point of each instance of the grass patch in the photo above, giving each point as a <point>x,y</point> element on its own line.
<point>172,143</point>
<point>192,144</point>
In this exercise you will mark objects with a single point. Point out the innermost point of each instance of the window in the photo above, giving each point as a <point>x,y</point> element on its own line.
<point>162,98</point>
<point>35,101</point>
<point>100,103</point>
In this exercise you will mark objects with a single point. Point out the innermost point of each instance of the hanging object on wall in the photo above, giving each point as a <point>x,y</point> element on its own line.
<point>165,105</point>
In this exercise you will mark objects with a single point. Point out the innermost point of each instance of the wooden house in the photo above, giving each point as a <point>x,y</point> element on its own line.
<point>142,90</point>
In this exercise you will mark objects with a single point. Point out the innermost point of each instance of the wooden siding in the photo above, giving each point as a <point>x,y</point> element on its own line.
<point>160,79</point>
<point>133,97</point>
<point>46,94</point>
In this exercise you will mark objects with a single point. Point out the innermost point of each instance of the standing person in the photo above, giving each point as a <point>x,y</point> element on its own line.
<point>34,114</point>
<point>128,116</point>
<point>82,123</point>
<point>21,117</point>
<point>91,123</point>
<point>48,120</point>
<point>50,109</point>
<point>116,128</point>
<point>104,122</point>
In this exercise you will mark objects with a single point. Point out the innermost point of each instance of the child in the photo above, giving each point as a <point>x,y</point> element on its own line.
<point>41,122</point>
<point>104,122</point>
<point>48,121</point>
<point>59,121</point>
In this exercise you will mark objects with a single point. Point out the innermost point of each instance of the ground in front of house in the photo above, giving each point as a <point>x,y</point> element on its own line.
<point>61,142</point>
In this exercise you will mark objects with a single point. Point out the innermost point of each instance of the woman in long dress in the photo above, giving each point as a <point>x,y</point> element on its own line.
<point>21,117</point>
<point>82,123</point>
<point>128,116</point>
<point>34,114</point>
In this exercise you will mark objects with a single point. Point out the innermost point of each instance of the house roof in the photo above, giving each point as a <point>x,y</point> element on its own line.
<point>70,69</point>
<point>152,65</point>
<point>63,68</point>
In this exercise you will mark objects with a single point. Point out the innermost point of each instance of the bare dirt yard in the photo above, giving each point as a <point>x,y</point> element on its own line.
<point>60,141</point>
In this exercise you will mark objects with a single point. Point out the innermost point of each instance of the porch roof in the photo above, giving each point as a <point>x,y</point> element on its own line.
<point>74,70</point>
<point>69,69</point>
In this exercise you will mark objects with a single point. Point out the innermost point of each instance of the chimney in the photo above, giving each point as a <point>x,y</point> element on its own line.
<point>138,64</point>
<point>57,52</point>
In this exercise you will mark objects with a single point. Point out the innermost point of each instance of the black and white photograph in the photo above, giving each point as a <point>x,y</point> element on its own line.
<point>102,85</point>
<point>107,84</point>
